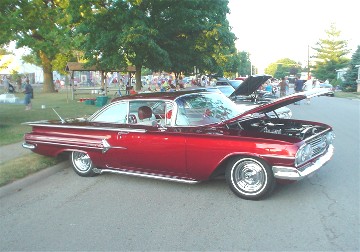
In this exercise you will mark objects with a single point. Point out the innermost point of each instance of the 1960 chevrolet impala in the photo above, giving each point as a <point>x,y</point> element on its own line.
<point>189,137</point>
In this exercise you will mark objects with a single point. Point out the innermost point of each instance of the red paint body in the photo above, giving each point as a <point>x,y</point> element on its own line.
<point>189,152</point>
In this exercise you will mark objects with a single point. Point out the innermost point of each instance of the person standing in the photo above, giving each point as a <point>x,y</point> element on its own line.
<point>28,94</point>
<point>268,87</point>
<point>298,88</point>
<point>298,85</point>
<point>283,87</point>
<point>308,85</point>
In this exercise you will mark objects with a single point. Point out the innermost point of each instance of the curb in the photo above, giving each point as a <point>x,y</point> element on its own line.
<point>20,184</point>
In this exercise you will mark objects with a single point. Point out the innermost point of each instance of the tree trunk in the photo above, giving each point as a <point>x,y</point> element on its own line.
<point>48,86</point>
<point>138,78</point>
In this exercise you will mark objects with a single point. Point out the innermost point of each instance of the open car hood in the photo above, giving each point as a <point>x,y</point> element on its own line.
<point>250,85</point>
<point>278,103</point>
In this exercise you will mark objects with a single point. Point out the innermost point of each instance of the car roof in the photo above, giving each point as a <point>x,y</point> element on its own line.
<point>157,95</point>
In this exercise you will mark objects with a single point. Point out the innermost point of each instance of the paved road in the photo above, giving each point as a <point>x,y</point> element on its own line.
<point>114,212</point>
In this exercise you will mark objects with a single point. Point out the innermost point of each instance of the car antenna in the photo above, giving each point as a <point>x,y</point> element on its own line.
<point>62,120</point>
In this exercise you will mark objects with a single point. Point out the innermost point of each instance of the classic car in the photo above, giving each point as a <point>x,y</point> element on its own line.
<point>329,88</point>
<point>248,90</point>
<point>189,136</point>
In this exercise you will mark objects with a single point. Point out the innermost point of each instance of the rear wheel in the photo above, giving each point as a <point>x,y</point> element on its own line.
<point>82,164</point>
<point>250,178</point>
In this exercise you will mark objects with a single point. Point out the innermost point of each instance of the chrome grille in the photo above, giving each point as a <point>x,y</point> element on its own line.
<point>318,145</point>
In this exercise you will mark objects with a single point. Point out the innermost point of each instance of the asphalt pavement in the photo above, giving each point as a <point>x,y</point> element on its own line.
<point>66,212</point>
<point>13,151</point>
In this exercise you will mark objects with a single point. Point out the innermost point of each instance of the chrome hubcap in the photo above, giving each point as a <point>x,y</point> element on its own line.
<point>81,161</point>
<point>249,176</point>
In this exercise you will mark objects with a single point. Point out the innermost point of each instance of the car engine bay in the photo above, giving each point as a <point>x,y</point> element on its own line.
<point>279,126</point>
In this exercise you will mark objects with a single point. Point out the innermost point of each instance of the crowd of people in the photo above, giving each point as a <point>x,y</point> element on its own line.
<point>162,84</point>
<point>283,86</point>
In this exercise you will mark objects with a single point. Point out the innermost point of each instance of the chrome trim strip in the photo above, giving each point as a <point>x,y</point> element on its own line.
<point>85,127</point>
<point>291,173</point>
<point>70,145</point>
<point>106,145</point>
<point>28,146</point>
<point>276,156</point>
<point>150,175</point>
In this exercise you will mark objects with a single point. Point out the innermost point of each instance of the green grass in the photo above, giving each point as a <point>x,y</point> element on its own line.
<point>349,95</point>
<point>13,115</point>
<point>12,130</point>
<point>24,166</point>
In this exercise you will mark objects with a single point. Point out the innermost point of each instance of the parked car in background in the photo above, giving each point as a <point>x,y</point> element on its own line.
<point>220,81</point>
<point>227,90</point>
<point>189,137</point>
<point>330,89</point>
<point>241,78</point>
<point>247,95</point>
<point>235,83</point>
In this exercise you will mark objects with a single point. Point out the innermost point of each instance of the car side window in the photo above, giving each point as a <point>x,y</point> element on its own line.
<point>113,114</point>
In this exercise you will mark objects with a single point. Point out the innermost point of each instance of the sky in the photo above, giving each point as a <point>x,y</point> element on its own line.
<point>274,29</point>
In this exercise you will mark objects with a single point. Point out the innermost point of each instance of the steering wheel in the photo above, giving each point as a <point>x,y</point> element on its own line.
<point>132,119</point>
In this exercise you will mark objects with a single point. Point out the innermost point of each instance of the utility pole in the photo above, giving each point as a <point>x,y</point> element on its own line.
<point>308,63</point>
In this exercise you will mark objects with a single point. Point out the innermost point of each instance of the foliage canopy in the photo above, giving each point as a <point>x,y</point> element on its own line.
<point>352,74</point>
<point>159,35</point>
<point>330,55</point>
<point>283,67</point>
<point>41,26</point>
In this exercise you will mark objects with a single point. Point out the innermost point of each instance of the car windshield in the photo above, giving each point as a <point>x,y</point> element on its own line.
<point>226,90</point>
<point>235,83</point>
<point>204,108</point>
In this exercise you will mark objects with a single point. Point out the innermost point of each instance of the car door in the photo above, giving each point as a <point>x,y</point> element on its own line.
<point>147,148</point>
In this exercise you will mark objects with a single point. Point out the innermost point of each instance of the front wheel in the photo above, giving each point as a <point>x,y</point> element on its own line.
<point>250,178</point>
<point>82,164</point>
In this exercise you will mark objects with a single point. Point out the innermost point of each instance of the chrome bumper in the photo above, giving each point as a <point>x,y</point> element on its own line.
<point>291,173</point>
<point>28,146</point>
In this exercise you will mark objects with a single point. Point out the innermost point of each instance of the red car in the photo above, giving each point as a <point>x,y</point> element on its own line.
<point>189,137</point>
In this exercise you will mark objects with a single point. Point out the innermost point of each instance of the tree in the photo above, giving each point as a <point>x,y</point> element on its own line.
<point>330,55</point>
<point>283,67</point>
<point>244,67</point>
<point>40,25</point>
<point>351,75</point>
<point>199,36</point>
<point>118,33</point>
<point>159,35</point>
<point>3,51</point>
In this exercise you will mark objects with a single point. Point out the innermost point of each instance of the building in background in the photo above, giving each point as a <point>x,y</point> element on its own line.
<point>10,65</point>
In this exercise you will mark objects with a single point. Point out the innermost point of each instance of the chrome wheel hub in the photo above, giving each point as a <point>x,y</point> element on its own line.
<point>82,161</point>
<point>249,176</point>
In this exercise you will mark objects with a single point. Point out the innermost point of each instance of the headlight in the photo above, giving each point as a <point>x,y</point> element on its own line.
<point>330,136</point>
<point>303,154</point>
<point>307,152</point>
